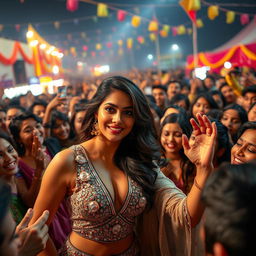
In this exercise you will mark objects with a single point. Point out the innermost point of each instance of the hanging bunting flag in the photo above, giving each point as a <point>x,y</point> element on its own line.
<point>1,27</point>
<point>163,33</point>
<point>56,24</point>
<point>129,43</point>
<point>120,42</point>
<point>17,27</point>
<point>199,23</point>
<point>141,39</point>
<point>93,54</point>
<point>102,10</point>
<point>174,31</point>
<point>230,17</point>
<point>244,19</point>
<point>98,47</point>
<point>181,30</point>
<point>166,28</point>
<point>85,48</point>
<point>121,15</point>
<point>153,26</point>
<point>191,7</point>
<point>213,12</point>
<point>135,21</point>
<point>152,36</point>
<point>72,5</point>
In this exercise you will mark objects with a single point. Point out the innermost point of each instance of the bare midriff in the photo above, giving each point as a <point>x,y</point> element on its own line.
<point>100,249</point>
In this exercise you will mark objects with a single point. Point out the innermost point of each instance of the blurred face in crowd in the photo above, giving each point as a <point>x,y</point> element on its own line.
<point>248,99</point>
<point>11,114</point>
<point>228,94</point>
<point>218,100</point>
<point>3,120</point>
<point>252,114</point>
<point>39,110</point>
<point>171,138</point>
<point>208,82</point>
<point>231,120</point>
<point>78,121</point>
<point>61,129</point>
<point>160,97</point>
<point>173,89</point>
<point>201,106</point>
<point>245,148</point>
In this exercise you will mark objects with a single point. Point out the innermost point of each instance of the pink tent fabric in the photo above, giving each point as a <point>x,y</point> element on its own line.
<point>240,51</point>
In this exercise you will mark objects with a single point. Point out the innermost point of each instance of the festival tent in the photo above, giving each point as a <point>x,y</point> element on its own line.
<point>240,51</point>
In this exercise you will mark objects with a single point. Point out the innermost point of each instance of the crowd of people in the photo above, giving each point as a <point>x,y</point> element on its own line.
<point>127,166</point>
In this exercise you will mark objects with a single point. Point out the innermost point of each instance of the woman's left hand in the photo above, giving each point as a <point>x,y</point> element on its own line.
<point>201,145</point>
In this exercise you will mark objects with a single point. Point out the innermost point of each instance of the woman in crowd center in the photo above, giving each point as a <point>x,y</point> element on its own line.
<point>114,185</point>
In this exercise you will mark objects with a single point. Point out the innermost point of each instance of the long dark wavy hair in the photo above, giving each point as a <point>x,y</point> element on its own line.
<point>187,167</point>
<point>138,151</point>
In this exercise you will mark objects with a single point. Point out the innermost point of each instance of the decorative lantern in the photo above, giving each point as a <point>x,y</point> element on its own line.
<point>120,42</point>
<point>121,15</point>
<point>152,36</point>
<point>163,33</point>
<point>72,5</point>
<point>98,47</point>
<point>166,28</point>
<point>153,26</point>
<point>135,21</point>
<point>213,12</point>
<point>85,48</point>
<point>230,17</point>
<point>102,10</point>
<point>141,39</point>
<point>174,31</point>
<point>181,30</point>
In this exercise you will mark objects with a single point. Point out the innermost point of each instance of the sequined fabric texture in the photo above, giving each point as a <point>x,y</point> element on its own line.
<point>93,213</point>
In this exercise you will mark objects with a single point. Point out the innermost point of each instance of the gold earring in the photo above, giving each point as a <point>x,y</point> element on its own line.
<point>95,129</point>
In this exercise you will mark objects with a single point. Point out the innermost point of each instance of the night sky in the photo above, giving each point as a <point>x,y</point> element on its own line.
<point>43,13</point>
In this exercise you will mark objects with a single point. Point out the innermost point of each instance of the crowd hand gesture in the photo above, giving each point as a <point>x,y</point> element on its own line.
<point>56,101</point>
<point>201,145</point>
<point>33,238</point>
<point>194,84</point>
<point>39,155</point>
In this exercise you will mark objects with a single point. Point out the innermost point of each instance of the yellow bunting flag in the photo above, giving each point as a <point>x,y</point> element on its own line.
<point>213,12</point>
<point>166,28</point>
<point>120,42</point>
<point>98,47</point>
<point>199,23</point>
<point>181,30</point>
<point>153,26</point>
<point>129,43</point>
<point>190,7</point>
<point>135,21</point>
<point>102,10</point>
<point>152,36</point>
<point>230,17</point>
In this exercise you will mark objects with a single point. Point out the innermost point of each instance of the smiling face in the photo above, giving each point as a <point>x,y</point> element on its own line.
<point>252,114</point>
<point>231,120</point>
<point>78,121</point>
<point>61,129</point>
<point>171,138</point>
<point>201,106</point>
<point>8,159</point>
<point>30,128</point>
<point>245,148</point>
<point>115,116</point>
<point>173,89</point>
<point>39,110</point>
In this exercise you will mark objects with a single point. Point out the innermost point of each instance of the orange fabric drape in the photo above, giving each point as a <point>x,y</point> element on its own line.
<point>16,49</point>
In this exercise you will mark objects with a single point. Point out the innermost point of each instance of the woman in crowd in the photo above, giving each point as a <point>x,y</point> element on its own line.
<point>114,185</point>
<point>177,166</point>
<point>233,116</point>
<point>252,113</point>
<point>34,157</point>
<point>173,109</point>
<point>202,104</point>
<point>61,130</point>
